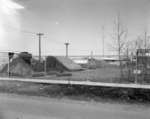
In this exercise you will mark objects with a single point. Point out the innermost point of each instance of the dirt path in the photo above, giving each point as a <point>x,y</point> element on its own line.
<point>29,107</point>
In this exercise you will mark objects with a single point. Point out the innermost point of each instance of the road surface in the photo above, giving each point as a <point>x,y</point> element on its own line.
<point>24,107</point>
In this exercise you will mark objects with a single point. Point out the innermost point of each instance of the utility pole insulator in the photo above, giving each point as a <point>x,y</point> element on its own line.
<point>39,35</point>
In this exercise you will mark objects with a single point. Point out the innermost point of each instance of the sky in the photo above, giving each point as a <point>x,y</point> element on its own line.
<point>78,22</point>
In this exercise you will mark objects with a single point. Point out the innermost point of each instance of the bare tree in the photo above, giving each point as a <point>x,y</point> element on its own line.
<point>135,44</point>
<point>120,36</point>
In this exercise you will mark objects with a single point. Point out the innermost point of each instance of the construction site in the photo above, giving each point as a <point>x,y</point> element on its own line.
<point>74,59</point>
<point>25,65</point>
<point>57,75</point>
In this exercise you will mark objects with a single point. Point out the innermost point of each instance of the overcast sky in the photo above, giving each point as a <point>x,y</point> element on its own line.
<point>76,21</point>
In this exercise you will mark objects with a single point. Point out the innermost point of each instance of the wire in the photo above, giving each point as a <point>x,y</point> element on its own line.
<point>29,32</point>
<point>18,29</point>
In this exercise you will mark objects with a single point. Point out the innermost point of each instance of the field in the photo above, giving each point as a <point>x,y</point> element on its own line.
<point>105,74</point>
<point>109,74</point>
<point>96,71</point>
<point>78,92</point>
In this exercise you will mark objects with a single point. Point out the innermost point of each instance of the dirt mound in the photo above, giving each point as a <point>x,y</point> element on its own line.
<point>68,63</point>
<point>61,63</point>
<point>18,67</point>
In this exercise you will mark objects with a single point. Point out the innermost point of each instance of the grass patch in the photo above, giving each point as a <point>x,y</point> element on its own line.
<point>85,93</point>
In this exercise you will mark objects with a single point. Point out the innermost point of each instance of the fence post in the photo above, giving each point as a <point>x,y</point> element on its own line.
<point>45,70</point>
<point>136,75</point>
<point>10,56</point>
<point>8,67</point>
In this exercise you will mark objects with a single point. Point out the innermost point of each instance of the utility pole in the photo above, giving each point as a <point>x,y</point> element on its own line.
<point>145,61</point>
<point>91,54</point>
<point>67,44</point>
<point>136,75</point>
<point>145,39</point>
<point>136,72</point>
<point>39,35</point>
<point>103,37</point>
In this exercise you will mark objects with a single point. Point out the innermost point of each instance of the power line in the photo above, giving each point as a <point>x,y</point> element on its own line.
<point>20,29</point>
<point>29,32</point>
